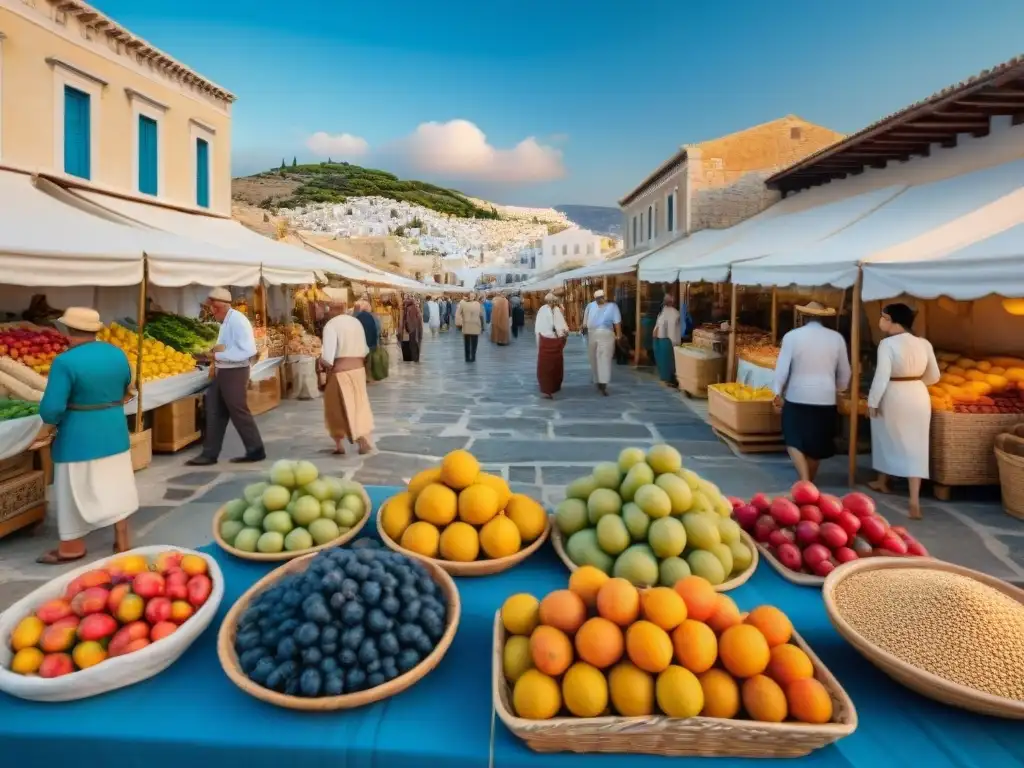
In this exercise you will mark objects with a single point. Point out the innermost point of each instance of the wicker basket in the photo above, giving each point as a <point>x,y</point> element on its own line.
<point>229,659</point>
<point>141,444</point>
<point>962,446</point>
<point>737,581</point>
<point>675,737</point>
<point>1009,451</point>
<point>918,680</point>
<point>474,568</point>
<point>276,557</point>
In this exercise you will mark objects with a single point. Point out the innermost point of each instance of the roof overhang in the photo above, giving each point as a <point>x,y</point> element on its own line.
<point>657,175</point>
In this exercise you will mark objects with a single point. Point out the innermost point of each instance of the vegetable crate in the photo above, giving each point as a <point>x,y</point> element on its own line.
<point>175,425</point>
<point>744,417</point>
<point>963,448</point>
<point>264,395</point>
<point>22,501</point>
<point>697,368</point>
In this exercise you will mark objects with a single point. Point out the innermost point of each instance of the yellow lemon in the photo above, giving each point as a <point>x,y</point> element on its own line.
<point>499,485</point>
<point>459,469</point>
<point>421,538</point>
<point>520,614</point>
<point>397,515</point>
<point>436,504</point>
<point>478,504</point>
<point>632,690</point>
<point>27,661</point>
<point>536,696</point>
<point>459,542</point>
<point>528,516</point>
<point>500,538</point>
<point>584,690</point>
<point>679,693</point>
<point>423,479</point>
<point>516,658</point>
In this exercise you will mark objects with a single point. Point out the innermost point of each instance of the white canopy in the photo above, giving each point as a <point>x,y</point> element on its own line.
<point>915,223</point>
<point>766,234</point>
<point>612,267</point>
<point>663,264</point>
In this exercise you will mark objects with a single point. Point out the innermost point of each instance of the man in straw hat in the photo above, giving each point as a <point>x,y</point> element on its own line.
<point>551,330</point>
<point>602,323</point>
<point>94,483</point>
<point>346,405</point>
<point>813,365</point>
<point>226,398</point>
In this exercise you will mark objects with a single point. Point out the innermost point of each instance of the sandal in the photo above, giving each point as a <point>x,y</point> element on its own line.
<point>54,557</point>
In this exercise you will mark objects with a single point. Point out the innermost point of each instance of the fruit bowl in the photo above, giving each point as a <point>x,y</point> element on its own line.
<point>273,557</point>
<point>559,544</point>
<point>232,666</point>
<point>909,675</point>
<point>475,567</point>
<point>113,673</point>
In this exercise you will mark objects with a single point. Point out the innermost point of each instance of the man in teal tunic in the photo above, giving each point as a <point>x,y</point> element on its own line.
<point>94,484</point>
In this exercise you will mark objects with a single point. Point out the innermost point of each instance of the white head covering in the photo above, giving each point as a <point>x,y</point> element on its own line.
<point>599,294</point>
<point>220,294</point>
<point>551,298</point>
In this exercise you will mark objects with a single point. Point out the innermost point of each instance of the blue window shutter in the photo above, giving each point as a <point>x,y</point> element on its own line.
<point>77,130</point>
<point>148,156</point>
<point>671,212</point>
<point>202,173</point>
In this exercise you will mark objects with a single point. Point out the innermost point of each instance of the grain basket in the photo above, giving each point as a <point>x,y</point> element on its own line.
<point>737,581</point>
<point>111,674</point>
<point>924,683</point>
<point>229,659</point>
<point>276,557</point>
<point>674,737</point>
<point>1010,459</point>
<point>475,568</point>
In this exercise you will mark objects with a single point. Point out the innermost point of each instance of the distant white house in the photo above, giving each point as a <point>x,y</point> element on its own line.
<point>570,245</point>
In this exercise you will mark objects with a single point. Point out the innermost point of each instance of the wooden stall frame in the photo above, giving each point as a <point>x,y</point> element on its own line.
<point>854,380</point>
<point>730,363</point>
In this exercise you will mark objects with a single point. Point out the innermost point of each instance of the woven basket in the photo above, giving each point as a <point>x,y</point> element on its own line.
<point>474,568</point>
<point>918,680</point>
<point>674,737</point>
<point>230,663</point>
<point>962,446</point>
<point>736,581</point>
<point>794,577</point>
<point>276,557</point>
<point>1010,460</point>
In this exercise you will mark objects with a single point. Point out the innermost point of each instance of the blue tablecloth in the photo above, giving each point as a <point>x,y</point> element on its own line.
<point>192,715</point>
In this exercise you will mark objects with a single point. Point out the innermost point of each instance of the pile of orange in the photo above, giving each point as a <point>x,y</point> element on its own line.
<point>603,647</point>
<point>459,513</point>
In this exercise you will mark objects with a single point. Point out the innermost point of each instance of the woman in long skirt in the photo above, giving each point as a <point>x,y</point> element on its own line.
<point>899,405</point>
<point>410,330</point>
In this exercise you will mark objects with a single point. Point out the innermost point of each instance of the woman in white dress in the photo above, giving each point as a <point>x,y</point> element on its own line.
<point>899,405</point>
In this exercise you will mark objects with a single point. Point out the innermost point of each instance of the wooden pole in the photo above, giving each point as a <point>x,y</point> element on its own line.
<point>733,315</point>
<point>604,285</point>
<point>775,315</point>
<point>854,380</point>
<point>138,354</point>
<point>637,335</point>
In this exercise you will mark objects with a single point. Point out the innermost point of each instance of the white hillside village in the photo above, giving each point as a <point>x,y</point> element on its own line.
<point>472,251</point>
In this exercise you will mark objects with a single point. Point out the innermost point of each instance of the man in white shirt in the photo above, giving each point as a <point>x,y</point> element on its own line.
<point>667,336</point>
<point>602,323</point>
<point>226,399</point>
<point>551,330</point>
<point>347,411</point>
<point>813,365</point>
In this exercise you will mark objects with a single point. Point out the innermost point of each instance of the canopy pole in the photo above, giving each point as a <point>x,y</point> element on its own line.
<point>854,380</point>
<point>636,334</point>
<point>604,285</point>
<point>775,315</point>
<point>138,354</point>
<point>733,315</point>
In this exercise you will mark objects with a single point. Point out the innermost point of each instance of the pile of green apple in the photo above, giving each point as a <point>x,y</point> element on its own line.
<point>293,510</point>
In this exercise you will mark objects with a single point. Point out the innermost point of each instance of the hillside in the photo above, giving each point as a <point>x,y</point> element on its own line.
<point>299,185</point>
<point>599,219</point>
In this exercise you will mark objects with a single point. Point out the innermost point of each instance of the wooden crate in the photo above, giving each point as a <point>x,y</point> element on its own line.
<point>141,448</point>
<point>695,373</point>
<point>744,417</point>
<point>264,395</point>
<point>22,501</point>
<point>768,443</point>
<point>15,466</point>
<point>175,425</point>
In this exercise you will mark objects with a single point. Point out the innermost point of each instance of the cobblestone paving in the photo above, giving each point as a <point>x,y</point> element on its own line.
<point>493,408</point>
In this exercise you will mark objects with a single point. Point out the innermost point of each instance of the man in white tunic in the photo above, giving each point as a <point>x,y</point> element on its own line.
<point>347,411</point>
<point>813,365</point>
<point>551,330</point>
<point>899,405</point>
<point>602,323</point>
<point>432,311</point>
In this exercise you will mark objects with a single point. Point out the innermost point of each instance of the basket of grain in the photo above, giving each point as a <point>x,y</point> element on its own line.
<point>947,632</point>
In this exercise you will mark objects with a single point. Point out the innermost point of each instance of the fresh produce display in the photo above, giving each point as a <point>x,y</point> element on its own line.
<point>17,409</point>
<point>293,510</point>
<point>353,620</point>
<point>603,645</point>
<point>813,532</point>
<point>159,361</point>
<point>992,385</point>
<point>20,382</point>
<point>111,611</point>
<point>650,521</point>
<point>759,351</point>
<point>32,346</point>
<point>940,622</point>
<point>300,342</point>
<point>182,334</point>
<point>742,392</point>
<point>458,513</point>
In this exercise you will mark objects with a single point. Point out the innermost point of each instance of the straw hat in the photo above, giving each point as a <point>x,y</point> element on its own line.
<point>81,319</point>
<point>598,294</point>
<point>220,294</point>
<point>336,295</point>
<point>550,298</point>
<point>815,309</point>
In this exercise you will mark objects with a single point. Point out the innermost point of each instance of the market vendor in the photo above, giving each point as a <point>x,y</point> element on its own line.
<point>602,323</point>
<point>813,366</point>
<point>226,398</point>
<point>667,336</point>
<point>346,404</point>
<point>94,483</point>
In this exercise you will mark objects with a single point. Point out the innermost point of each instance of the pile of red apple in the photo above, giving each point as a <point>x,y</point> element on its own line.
<point>34,348</point>
<point>111,611</point>
<point>813,532</point>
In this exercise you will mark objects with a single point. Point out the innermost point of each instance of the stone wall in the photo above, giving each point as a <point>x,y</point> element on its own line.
<point>721,207</point>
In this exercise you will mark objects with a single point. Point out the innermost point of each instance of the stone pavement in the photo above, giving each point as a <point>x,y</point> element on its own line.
<point>493,409</point>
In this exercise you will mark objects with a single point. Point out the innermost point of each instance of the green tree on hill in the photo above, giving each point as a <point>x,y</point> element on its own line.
<point>295,162</point>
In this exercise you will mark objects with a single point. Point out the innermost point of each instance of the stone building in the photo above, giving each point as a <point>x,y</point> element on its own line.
<point>718,183</point>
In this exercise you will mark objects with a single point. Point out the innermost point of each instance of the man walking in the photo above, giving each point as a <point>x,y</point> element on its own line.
<point>469,317</point>
<point>602,323</point>
<point>667,336</point>
<point>226,396</point>
<point>551,331</point>
<point>432,316</point>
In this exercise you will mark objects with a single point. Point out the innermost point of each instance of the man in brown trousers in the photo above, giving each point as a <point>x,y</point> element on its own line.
<point>226,396</point>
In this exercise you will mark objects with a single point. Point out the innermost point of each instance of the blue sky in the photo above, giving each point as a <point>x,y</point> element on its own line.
<point>606,90</point>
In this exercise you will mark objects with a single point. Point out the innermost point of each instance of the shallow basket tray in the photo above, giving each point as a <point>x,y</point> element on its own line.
<point>232,668</point>
<point>114,673</point>
<point>474,568</point>
<point>737,581</point>
<point>794,577</point>
<point>276,557</point>
<point>671,736</point>
<point>924,683</point>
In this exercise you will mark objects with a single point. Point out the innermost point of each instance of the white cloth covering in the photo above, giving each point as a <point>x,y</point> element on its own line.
<point>343,337</point>
<point>435,315</point>
<point>94,494</point>
<point>899,435</point>
<point>669,326</point>
<point>601,350</point>
<point>550,322</point>
<point>163,391</point>
<point>17,435</point>
<point>813,365</point>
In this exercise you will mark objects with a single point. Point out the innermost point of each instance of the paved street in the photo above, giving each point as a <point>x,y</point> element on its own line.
<point>493,408</point>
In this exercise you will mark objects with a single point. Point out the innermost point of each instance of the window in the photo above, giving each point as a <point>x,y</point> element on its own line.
<point>670,212</point>
<point>576,249</point>
<point>590,249</point>
<point>634,231</point>
<point>77,133</point>
<point>641,225</point>
<point>654,218</point>
<point>650,222</point>
<point>149,165</point>
<point>565,250</point>
<point>202,173</point>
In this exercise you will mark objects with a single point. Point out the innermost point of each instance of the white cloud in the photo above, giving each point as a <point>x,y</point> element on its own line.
<point>337,145</point>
